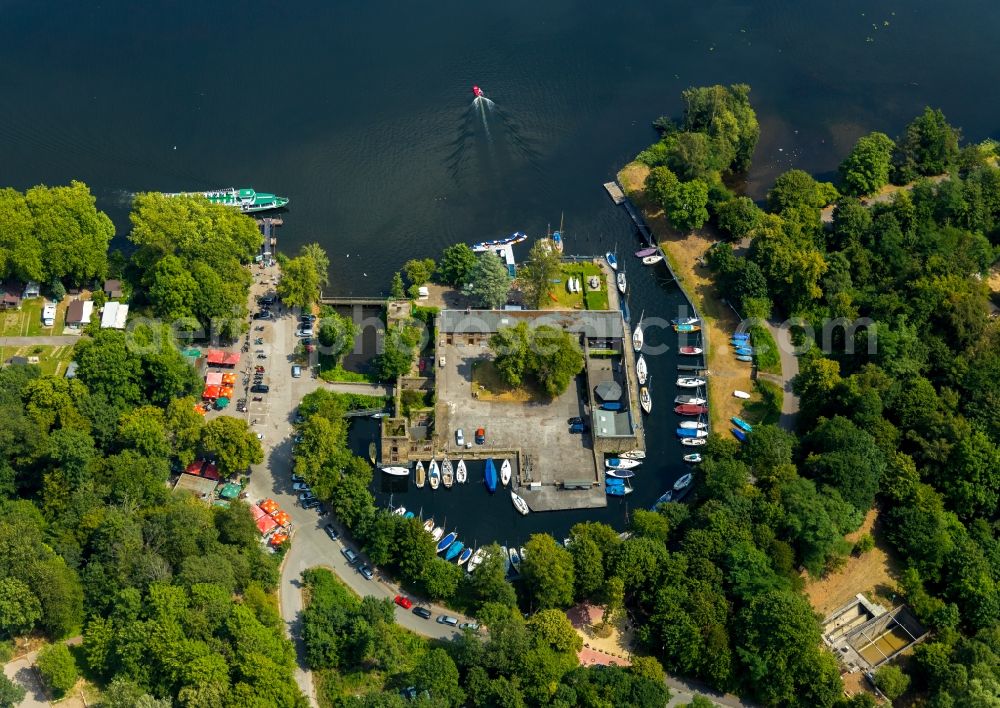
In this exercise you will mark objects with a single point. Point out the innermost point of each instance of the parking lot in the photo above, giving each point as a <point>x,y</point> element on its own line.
<point>539,429</point>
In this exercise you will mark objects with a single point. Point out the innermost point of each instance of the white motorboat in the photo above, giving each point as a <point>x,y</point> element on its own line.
<point>682,482</point>
<point>692,425</point>
<point>690,442</point>
<point>686,321</point>
<point>505,473</point>
<point>622,283</point>
<point>652,260</point>
<point>741,394</point>
<point>641,371</point>
<point>437,533</point>
<point>396,471</point>
<point>434,475</point>
<point>619,463</point>
<point>515,559</point>
<point>612,260</point>
<point>519,503</point>
<point>399,510</point>
<point>692,400</point>
<point>633,455</point>
<point>461,473</point>
<point>690,382</point>
<point>447,473</point>
<point>645,400</point>
<point>637,338</point>
<point>619,474</point>
<point>429,525</point>
<point>421,475</point>
<point>694,458</point>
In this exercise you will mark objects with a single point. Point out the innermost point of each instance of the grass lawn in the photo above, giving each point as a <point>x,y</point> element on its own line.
<point>52,360</point>
<point>487,386</point>
<point>565,300</point>
<point>330,370</point>
<point>765,350</point>
<point>27,322</point>
<point>765,406</point>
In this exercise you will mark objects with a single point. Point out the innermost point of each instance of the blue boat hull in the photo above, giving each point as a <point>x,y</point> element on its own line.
<point>738,434</point>
<point>453,550</point>
<point>686,433</point>
<point>491,476</point>
<point>741,335</point>
<point>611,406</point>
<point>446,541</point>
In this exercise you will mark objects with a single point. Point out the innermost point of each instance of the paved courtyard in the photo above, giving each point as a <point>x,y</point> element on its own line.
<point>550,454</point>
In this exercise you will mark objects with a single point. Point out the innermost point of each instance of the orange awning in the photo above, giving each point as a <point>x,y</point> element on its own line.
<point>278,538</point>
<point>281,517</point>
<point>269,506</point>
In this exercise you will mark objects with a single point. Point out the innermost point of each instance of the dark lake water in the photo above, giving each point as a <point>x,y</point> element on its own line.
<point>361,114</point>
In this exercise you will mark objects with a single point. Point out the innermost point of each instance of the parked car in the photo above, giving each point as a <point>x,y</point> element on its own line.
<point>480,436</point>
<point>422,612</point>
<point>474,626</point>
<point>296,371</point>
<point>311,503</point>
<point>331,532</point>
<point>460,437</point>
<point>350,554</point>
<point>575,421</point>
<point>300,487</point>
<point>260,388</point>
<point>306,496</point>
<point>578,428</point>
<point>307,318</point>
<point>403,601</point>
<point>298,478</point>
<point>367,572</point>
<point>448,620</point>
<point>304,333</point>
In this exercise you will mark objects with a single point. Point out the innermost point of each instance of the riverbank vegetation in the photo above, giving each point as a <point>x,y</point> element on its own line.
<point>364,659</point>
<point>897,409</point>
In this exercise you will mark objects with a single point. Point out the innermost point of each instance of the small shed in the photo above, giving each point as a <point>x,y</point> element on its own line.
<point>32,289</point>
<point>10,297</point>
<point>78,313</point>
<point>200,486</point>
<point>114,315</point>
<point>113,289</point>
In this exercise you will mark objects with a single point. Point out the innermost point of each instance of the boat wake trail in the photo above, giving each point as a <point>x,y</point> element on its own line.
<point>503,139</point>
<point>482,104</point>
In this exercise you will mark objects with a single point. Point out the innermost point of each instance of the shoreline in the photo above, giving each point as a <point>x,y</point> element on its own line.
<point>684,253</point>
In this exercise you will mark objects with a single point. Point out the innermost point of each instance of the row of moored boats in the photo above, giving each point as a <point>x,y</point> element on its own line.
<point>448,475</point>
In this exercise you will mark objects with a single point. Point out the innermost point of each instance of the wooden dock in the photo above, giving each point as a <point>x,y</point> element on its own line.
<point>615,192</point>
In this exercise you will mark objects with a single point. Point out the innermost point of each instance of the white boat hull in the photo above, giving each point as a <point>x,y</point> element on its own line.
<point>652,260</point>
<point>623,464</point>
<point>505,473</point>
<point>741,394</point>
<point>519,503</point>
<point>641,372</point>
<point>693,442</point>
<point>637,338</point>
<point>396,471</point>
<point>692,425</point>
<point>461,473</point>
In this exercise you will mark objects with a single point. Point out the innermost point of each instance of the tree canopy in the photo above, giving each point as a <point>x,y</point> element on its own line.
<point>489,281</point>
<point>551,356</point>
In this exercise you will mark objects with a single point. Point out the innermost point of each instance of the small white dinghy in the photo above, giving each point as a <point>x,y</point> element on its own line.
<point>682,482</point>
<point>633,455</point>
<point>694,458</point>
<point>692,425</point>
<point>461,473</point>
<point>690,382</point>
<point>691,442</point>
<point>505,473</point>
<point>652,260</point>
<point>519,503</point>
<point>641,372</point>
<point>437,533</point>
<point>741,394</point>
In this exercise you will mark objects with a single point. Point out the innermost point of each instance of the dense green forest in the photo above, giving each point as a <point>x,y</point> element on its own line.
<point>908,424</point>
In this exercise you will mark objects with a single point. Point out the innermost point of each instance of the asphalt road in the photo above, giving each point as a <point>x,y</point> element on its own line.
<point>310,546</point>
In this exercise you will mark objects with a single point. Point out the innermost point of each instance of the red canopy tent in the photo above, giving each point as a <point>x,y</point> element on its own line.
<point>216,356</point>
<point>213,378</point>
<point>232,359</point>
<point>257,512</point>
<point>210,471</point>
<point>210,392</point>
<point>269,506</point>
<point>265,524</point>
<point>278,538</point>
<point>195,468</point>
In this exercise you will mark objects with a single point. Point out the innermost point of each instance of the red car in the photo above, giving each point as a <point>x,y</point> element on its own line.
<point>404,602</point>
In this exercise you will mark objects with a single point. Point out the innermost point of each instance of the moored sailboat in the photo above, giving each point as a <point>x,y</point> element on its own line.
<point>519,503</point>
<point>420,476</point>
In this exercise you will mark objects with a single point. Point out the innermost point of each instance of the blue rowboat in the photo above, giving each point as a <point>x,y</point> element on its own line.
<point>739,434</point>
<point>409,515</point>
<point>612,482</point>
<point>618,491</point>
<point>741,335</point>
<point>447,541</point>
<point>612,406</point>
<point>612,260</point>
<point>744,357</point>
<point>466,555</point>
<point>689,433</point>
<point>742,425</point>
<point>456,548</point>
<point>743,349</point>
<point>491,475</point>
<point>664,498</point>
